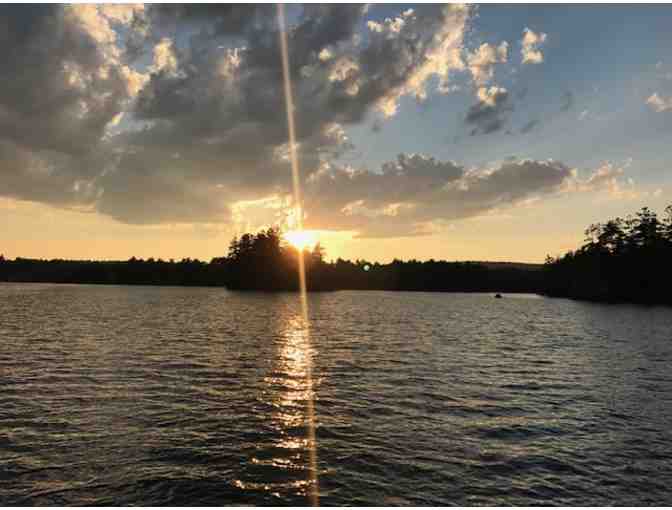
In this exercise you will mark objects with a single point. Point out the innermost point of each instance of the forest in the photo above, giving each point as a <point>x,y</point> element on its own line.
<point>622,260</point>
<point>264,262</point>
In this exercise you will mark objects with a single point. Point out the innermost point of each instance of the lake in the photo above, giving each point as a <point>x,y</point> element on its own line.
<point>199,396</point>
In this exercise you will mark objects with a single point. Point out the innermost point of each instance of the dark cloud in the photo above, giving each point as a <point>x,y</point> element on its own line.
<point>47,176</point>
<point>415,193</point>
<point>63,85</point>
<point>60,88</point>
<point>164,194</point>
<point>489,113</point>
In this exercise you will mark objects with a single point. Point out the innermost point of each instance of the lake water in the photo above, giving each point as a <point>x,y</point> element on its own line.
<point>197,396</point>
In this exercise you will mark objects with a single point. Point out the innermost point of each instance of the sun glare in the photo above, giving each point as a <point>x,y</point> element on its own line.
<point>301,239</point>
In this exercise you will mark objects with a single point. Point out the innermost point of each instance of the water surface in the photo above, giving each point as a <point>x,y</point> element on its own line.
<point>195,396</point>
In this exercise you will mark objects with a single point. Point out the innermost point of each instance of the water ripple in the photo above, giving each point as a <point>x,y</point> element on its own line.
<point>175,396</point>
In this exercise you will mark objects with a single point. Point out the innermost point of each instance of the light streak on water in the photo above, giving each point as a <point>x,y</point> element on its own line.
<point>313,490</point>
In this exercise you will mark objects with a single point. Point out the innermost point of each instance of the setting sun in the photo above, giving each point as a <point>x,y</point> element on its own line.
<point>301,239</point>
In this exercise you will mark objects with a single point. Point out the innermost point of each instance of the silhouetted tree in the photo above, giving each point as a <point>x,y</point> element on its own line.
<point>667,225</point>
<point>317,255</point>
<point>621,260</point>
<point>263,261</point>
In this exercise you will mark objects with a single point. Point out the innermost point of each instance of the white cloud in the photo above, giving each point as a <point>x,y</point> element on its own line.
<point>164,58</point>
<point>482,61</point>
<point>325,54</point>
<point>609,180</point>
<point>441,54</point>
<point>488,95</point>
<point>121,13</point>
<point>531,46</point>
<point>659,103</point>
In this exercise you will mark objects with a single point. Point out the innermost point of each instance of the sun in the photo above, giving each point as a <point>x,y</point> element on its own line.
<point>301,239</point>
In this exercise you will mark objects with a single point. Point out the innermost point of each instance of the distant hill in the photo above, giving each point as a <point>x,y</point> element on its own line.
<point>525,266</point>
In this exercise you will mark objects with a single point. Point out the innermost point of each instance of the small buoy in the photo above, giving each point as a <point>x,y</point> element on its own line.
<point>498,296</point>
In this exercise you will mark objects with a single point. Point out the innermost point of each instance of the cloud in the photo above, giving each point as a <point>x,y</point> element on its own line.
<point>659,103</point>
<point>415,193</point>
<point>405,52</point>
<point>488,114</point>
<point>531,46</point>
<point>164,58</point>
<point>68,82</point>
<point>608,179</point>
<point>118,115</point>
<point>482,61</point>
<point>604,177</point>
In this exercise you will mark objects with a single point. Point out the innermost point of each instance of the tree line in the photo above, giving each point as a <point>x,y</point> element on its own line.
<point>263,261</point>
<point>623,259</point>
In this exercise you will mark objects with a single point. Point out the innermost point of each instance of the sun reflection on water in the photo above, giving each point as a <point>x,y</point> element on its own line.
<point>286,466</point>
<point>292,389</point>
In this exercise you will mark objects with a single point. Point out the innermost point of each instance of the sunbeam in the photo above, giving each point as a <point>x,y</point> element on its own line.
<point>313,492</point>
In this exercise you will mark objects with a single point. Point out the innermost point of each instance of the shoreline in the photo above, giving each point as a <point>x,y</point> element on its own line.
<point>595,300</point>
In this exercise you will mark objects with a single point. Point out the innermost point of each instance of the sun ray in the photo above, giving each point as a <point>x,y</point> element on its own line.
<point>289,105</point>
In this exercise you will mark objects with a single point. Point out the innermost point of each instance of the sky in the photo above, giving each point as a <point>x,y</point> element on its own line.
<point>460,132</point>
